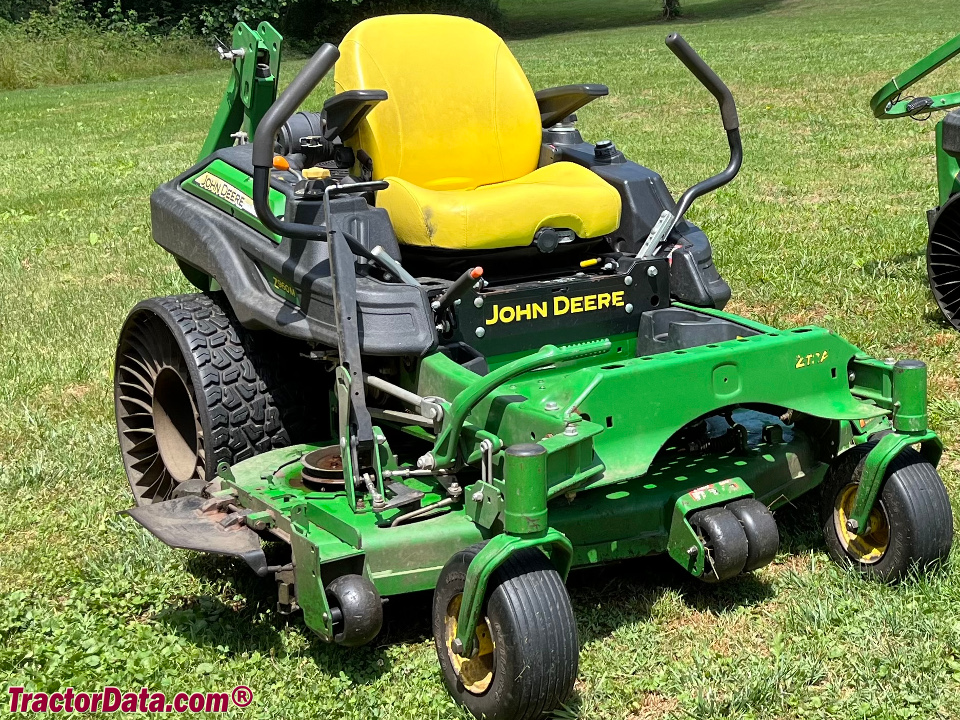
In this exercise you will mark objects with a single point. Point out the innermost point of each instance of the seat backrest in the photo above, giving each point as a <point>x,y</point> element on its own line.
<point>459,113</point>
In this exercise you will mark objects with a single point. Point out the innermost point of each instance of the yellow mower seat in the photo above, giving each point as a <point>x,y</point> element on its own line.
<point>458,138</point>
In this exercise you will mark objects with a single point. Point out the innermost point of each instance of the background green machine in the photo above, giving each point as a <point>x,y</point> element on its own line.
<point>488,464</point>
<point>943,248</point>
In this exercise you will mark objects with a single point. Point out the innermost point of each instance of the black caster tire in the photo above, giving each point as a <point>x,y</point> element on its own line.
<point>910,527</point>
<point>725,543</point>
<point>525,661</point>
<point>763,537</point>
<point>193,388</point>
<point>356,608</point>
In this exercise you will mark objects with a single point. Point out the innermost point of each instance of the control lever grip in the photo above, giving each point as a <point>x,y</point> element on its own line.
<point>707,77</point>
<point>265,136</point>
<point>458,289</point>
<point>290,99</point>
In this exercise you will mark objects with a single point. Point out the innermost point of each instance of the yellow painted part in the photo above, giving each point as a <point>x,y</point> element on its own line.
<point>459,112</point>
<point>561,195</point>
<point>869,547</point>
<point>475,672</point>
<point>315,173</point>
<point>459,138</point>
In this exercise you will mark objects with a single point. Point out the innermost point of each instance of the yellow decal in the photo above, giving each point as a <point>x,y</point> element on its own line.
<point>811,359</point>
<point>284,287</point>
<point>226,192</point>
<point>561,305</point>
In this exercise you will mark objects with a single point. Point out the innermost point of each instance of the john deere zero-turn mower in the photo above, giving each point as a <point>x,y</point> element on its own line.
<point>943,246</point>
<point>443,343</point>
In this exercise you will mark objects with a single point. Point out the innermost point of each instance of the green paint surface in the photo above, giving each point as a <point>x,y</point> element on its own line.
<point>231,190</point>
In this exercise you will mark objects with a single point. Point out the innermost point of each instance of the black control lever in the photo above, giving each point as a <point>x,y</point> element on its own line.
<point>458,289</point>
<point>290,99</point>
<point>728,113</point>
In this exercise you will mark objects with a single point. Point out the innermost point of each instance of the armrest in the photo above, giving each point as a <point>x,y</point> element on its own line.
<point>559,102</point>
<point>345,111</point>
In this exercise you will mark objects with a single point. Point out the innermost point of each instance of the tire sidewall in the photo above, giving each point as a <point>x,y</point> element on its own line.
<point>900,555</point>
<point>498,700</point>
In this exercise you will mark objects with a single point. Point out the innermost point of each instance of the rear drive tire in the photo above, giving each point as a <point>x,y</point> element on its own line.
<point>193,388</point>
<point>725,543</point>
<point>527,653</point>
<point>911,525</point>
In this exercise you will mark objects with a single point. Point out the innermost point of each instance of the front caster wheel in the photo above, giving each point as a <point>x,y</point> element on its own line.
<point>910,526</point>
<point>524,660</point>
<point>763,538</point>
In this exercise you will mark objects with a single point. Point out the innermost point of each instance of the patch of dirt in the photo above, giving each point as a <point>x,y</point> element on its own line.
<point>797,564</point>
<point>78,391</point>
<point>697,620</point>
<point>751,312</point>
<point>942,383</point>
<point>653,706</point>
<point>806,316</point>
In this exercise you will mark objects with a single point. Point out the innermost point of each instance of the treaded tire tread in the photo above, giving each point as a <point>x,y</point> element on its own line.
<point>917,506</point>
<point>522,593</point>
<point>251,389</point>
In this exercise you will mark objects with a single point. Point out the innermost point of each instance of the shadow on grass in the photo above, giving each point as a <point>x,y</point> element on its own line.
<point>610,596</point>
<point>562,16</point>
<point>884,264</point>
<point>604,598</point>
<point>254,625</point>
<point>936,317</point>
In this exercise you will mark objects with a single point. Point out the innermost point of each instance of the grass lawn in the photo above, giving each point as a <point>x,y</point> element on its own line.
<point>824,225</point>
<point>83,55</point>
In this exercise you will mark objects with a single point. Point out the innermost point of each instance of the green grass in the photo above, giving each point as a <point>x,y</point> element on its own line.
<point>825,224</point>
<point>539,17</point>
<point>82,55</point>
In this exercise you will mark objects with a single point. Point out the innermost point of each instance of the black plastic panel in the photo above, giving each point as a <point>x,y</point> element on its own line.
<point>395,319</point>
<point>678,329</point>
<point>951,132</point>
<point>566,310</point>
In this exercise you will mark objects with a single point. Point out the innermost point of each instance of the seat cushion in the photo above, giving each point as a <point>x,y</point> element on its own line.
<point>459,113</point>
<point>507,214</point>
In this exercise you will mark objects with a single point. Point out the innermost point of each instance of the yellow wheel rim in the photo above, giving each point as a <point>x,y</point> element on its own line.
<point>869,547</point>
<point>476,671</point>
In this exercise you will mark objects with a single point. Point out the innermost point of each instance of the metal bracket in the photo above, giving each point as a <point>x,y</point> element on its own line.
<point>344,277</point>
<point>683,545</point>
<point>887,103</point>
<point>445,448</point>
<point>492,556</point>
<point>252,87</point>
<point>875,466</point>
